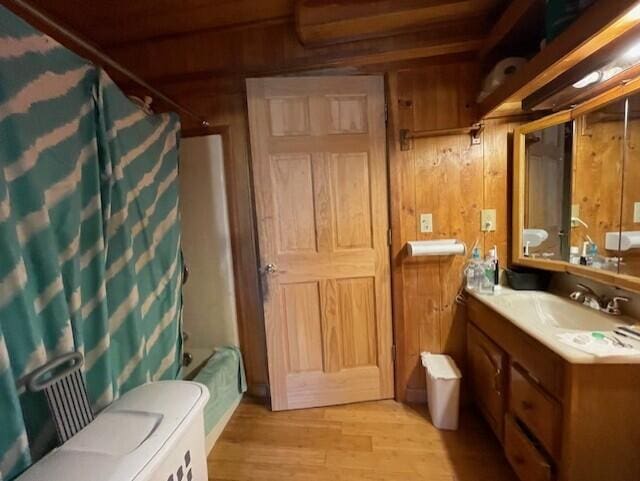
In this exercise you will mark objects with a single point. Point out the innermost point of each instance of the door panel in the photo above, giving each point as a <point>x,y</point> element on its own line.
<point>293,186</point>
<point>352,192</point>
<point>319,166</point>
<point>301,319</point>
<point>356,307</point>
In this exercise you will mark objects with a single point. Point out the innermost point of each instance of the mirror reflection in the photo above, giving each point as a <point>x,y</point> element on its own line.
<point>629,241</point>
<point>582,190</point>
<point>597,187</point>
<point>548,160</point>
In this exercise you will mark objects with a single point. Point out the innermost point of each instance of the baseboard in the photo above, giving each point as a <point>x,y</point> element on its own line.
<point>416,395</point>
<point>259,391</point>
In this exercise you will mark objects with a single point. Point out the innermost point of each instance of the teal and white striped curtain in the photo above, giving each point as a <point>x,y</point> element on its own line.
<point>89,235</point>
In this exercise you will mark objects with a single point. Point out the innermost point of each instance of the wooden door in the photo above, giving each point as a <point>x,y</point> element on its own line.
<point>320,181</point>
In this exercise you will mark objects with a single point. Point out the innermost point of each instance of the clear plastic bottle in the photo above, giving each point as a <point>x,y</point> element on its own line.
<point>474,271</point>
<point>574,255</point>
<point>487,281</point>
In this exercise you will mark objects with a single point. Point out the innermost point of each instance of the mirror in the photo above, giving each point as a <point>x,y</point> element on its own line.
<point>548,157</point>
<point>577,190</point>
<point>596,187</point>
<point>629,243</point>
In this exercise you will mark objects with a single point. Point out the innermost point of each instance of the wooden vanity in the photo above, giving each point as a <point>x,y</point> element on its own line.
<point>557,420</point>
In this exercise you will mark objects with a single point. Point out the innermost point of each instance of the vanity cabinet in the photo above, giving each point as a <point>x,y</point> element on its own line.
<point>487,368</point>
<point>556,420</point>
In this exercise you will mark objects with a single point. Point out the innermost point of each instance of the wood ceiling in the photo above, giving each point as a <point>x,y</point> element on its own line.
<point>116,22</point>
<point>169,41</point>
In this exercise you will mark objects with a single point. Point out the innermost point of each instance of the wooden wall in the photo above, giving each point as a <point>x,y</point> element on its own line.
<point>445,176</point>
<point>453,180</point>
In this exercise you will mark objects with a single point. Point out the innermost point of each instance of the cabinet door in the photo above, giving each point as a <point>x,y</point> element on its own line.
<point>487,366</point>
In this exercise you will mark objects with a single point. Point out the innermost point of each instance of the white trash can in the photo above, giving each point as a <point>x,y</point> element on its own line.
<point>443,389</point>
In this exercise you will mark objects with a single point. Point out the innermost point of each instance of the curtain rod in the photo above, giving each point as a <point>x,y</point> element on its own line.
<point>104,59</point>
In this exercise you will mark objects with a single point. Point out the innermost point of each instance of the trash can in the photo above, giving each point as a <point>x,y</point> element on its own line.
<point>443,389</point>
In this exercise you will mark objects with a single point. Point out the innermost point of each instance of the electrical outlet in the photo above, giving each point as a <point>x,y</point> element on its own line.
<point>488,220</point>
<point>426,223</point>
<point>636,212</point>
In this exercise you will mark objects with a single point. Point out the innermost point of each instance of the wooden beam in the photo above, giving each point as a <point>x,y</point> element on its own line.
<point>513,17</point>
<point>318,23</point>
<point>117,22</point>
<point>598,26</point>
<point>275,50</point>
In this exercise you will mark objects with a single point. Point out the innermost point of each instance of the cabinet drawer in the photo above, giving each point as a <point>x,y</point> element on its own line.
<point>536,409</point>
<point>487,365</point>
<point>528,463</point>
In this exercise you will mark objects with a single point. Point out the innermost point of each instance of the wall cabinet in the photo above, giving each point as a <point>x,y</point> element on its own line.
<point>557,421</point>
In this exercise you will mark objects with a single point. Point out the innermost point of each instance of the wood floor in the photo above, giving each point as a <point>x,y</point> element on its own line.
<point>373,441</point>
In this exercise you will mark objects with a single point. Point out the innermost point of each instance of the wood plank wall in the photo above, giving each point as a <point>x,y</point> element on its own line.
<point>445,176</point>
<point>453,180</point>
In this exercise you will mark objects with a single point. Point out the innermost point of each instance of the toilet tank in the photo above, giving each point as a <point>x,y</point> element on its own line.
<point>154,432</point>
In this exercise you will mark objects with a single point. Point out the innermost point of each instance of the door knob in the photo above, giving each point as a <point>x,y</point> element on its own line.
<point>270,269</point>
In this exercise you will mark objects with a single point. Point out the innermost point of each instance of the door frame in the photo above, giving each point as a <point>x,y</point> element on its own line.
<point>249,305</point>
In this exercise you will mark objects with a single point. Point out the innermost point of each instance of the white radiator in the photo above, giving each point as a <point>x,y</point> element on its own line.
<point>153,433</point>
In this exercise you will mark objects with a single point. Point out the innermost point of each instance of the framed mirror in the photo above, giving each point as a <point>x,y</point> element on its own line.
<point>596,186</point>
<point>548,160</point>
<point>629,246</point>
<point>576,190</point>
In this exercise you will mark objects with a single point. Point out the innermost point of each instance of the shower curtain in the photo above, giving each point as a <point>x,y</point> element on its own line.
<point>89,235</point>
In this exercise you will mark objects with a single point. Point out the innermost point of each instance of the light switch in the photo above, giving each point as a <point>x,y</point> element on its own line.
<point>426,223</point>
<point>636,212</point>
<point>488,220</point>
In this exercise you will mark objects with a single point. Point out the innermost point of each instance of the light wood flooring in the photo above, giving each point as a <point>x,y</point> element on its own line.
<point>372,441</point>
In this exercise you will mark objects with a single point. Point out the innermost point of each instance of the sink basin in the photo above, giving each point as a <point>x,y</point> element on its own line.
<point>548,317</point>
<point>554,311</point>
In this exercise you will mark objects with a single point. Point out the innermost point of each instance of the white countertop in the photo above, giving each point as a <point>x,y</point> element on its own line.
<point>537,312</point>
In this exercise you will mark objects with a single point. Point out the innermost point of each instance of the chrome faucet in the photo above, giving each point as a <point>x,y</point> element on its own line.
<point>613,308</point>
<point>587,296</point>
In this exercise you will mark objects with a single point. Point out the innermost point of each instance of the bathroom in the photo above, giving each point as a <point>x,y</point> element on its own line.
<point>319,239</point>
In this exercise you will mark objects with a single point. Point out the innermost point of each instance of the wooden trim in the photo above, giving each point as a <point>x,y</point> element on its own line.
<point>518,193</point>
<point>352,20</point>
<point>559,94</point>
<point>598,26</point>
<point>622,281</point>
<point>246,307</point>
<point>416,396</point>
<point>621,91</point>
<point>544,122</point>
<point>395,158</point>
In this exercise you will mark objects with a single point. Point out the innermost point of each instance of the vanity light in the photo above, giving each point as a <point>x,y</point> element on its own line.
<point>611,72</point>
<point>592,78</point>
<point>633,15</point>
<point>633,54</point>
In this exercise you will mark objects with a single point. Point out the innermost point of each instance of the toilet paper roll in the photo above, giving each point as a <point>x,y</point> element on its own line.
<point>446,247</point>
<point>503,69</point>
